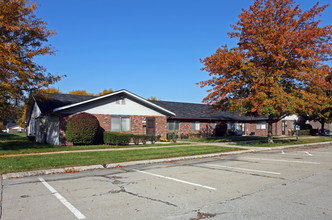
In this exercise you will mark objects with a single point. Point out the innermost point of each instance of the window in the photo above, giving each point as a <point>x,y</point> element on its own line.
<point>173,125</point>
<point>195,125</point>
<point>261,125</point>
<point>120,124</point>
<point>213,125</point>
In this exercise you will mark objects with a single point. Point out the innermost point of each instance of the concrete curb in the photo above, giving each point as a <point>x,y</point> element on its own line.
<point>114,165</point>
<point>145,162</point>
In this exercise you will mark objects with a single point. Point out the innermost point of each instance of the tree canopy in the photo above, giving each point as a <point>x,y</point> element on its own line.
<point>279,65</point>
<point>105,92</point>
<point>80,92</point>
<point>22,38</point>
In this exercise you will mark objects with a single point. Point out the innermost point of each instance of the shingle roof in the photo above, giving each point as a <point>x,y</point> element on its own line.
<point>53,101</point>
<point>201,111</point>
<point>181,109</point>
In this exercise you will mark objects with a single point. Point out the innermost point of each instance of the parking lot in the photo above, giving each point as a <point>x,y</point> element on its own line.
<point>292,183</point>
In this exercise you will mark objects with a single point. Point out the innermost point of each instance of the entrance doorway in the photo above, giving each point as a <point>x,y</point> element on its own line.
<point>150,126</point>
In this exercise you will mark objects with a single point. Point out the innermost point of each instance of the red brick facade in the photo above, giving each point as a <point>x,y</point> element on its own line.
<point>137,125</point>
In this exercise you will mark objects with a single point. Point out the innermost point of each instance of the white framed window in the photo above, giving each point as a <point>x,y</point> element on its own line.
<point>261,125</point>
<point>195,125</point>
<point>173,125</point>
<point>213,125</point>
<point>120,124</point>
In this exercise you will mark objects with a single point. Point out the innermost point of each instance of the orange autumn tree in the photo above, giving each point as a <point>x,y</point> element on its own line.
<point>80,92</point>
<point>22,38</point>
<point>279,64</point>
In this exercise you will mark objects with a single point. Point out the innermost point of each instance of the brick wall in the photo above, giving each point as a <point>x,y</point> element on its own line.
<point>276,128</point>
<point>185,128</point>
<point>136,126</point>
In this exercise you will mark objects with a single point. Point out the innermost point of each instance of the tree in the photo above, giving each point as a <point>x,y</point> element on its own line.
<point>51,90</point>
<point>80,92</point>
<point>320,108</point>
<point>278,66</point>
<point>152,98</point>
<point>105,92</point>
<point>22,38</point>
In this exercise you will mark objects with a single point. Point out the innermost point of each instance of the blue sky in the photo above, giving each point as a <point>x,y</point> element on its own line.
<point>149,47</point>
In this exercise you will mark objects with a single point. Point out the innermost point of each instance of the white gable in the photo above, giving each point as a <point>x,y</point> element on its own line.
<point>114,105</point>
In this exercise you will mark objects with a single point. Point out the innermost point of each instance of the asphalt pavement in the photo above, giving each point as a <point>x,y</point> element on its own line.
<point>283,183</point>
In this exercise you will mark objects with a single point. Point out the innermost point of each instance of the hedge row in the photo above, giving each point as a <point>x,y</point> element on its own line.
<point>115,138</point>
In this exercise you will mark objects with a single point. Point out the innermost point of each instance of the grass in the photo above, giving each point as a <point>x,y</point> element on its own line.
<point>17,144</point>
<point>225,139</point>
<point>286,142</point>
<point>36,162</point>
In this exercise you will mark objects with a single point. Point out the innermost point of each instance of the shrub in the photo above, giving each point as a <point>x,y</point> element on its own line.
<point>114,138</point>
<point>152,138</point>
<point>172,136</point>
<point>221,129</point>
<point>136,139</point>
<point>195,135</point>
<point>304,132</point>
<point>144,138</point>
<point>82,128</point>
<point>157,138</point>
<point>314,131</point>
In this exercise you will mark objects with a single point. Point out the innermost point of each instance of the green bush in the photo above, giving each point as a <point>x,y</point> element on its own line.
<point>220,130</point>
<point>82,128</point>
<point>136,139</point>
<point>157,138</point>
<point>151,138</point>
<point>304,132</point>
<point>143,138</point>
<point>114,138</point>
<point>172,136</point>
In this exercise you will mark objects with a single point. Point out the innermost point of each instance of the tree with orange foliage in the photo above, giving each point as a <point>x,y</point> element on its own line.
<point>51,90</point>
<point>279,65</point>
<point>22,38</point>
<point>80,92</point>
<point>105,92</point>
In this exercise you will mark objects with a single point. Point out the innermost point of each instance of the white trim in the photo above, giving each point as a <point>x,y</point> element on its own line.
<point>113,94</point>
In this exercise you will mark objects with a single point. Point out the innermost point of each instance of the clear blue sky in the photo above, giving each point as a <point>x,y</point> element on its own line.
<point>149,47</point>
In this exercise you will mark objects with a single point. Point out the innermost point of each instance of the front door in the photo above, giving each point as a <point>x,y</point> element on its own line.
<point>283,127</point>
<point>150,126</point>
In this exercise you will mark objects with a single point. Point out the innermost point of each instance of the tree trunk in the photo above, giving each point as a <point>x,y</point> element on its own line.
<point>323,124</point>
<point>269,133</point>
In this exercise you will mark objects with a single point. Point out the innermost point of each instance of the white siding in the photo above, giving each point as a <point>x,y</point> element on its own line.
<point>114,106</point>
<point>52,135</point>
<point>31,128</point>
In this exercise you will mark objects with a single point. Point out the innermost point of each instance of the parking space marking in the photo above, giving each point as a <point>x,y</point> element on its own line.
<point>282,152</point>
<point>177,180</point>
<point>308,153</point>
<point>277,160</point>
<point>64,201</point>
<point>245,169</point>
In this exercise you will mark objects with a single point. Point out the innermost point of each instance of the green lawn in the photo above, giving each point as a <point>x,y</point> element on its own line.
<point>285,142</point>
<point>18,144</point>
<point>36,162</point>
<point>225,139</point>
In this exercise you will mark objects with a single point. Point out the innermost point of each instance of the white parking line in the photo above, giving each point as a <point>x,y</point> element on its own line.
<point>308,153</point>
<point>282,152</point>
<point>238,168</point>
<point>289,161</point>
<point>71,208</point>
<point>177,180</point>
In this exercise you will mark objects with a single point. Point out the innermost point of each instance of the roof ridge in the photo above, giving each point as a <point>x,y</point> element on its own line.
<point>178,102</point>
